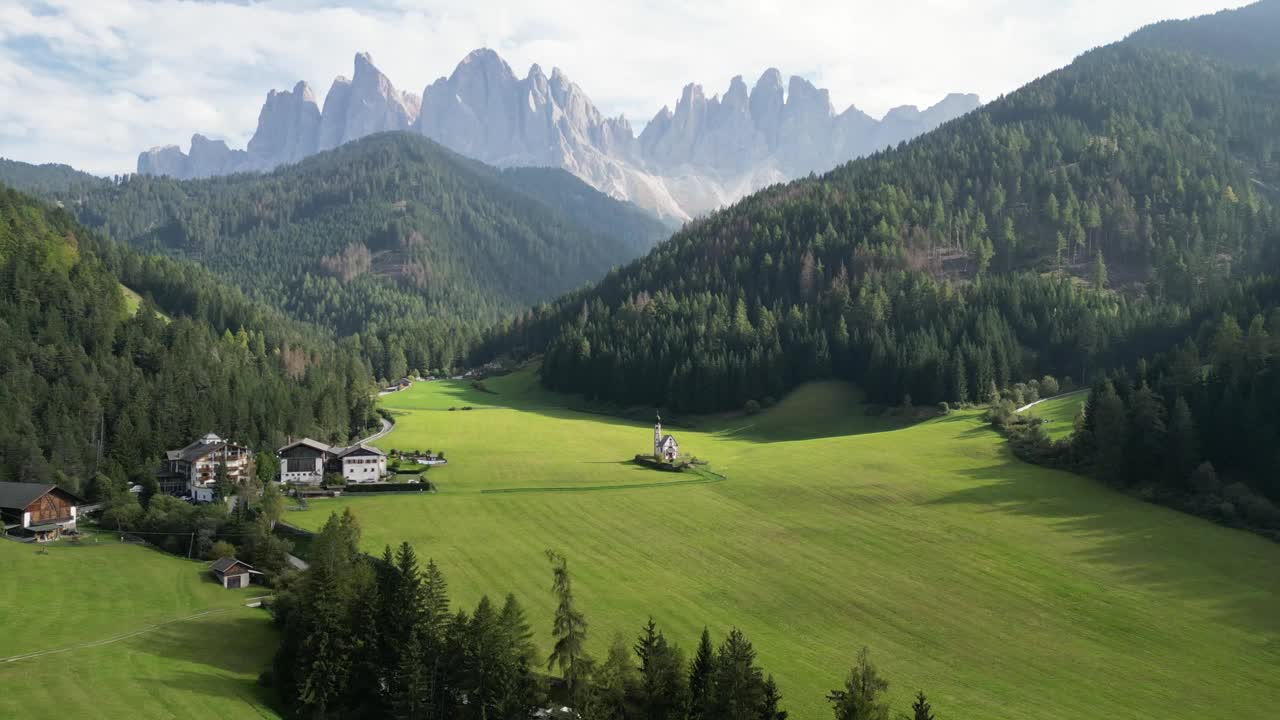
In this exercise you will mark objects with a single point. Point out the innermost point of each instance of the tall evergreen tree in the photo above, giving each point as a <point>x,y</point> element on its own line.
<point>569,628</point>
<point>662,691</point>
<point>701,675</point>
<point>920,709</point>
<point>861,698</point>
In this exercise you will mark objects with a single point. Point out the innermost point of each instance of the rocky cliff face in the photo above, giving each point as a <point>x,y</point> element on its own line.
<point>288,127</point>
<point>291,127</point>
<point>706,153</point>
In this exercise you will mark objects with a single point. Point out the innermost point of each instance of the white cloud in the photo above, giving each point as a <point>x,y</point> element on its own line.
<point>92,83</point>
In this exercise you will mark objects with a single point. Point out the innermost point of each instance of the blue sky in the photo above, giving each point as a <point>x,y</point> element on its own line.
<point>92,82</point>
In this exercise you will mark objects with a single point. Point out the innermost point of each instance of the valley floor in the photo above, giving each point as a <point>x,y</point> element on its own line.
<point>1002,589</point>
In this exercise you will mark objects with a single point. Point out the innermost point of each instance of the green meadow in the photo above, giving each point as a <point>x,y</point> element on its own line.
<point>1059,414</point>
<point>135,633</point>
<point>1002,589</point>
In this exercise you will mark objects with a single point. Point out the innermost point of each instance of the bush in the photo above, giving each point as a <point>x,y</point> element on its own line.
<point>222,549</point>
<point>1204,479</point>
<point>752,407</point>
<point>333,480</point>
<point>944,408</point>
<point>1049,386</point>
<point>1262,512</point>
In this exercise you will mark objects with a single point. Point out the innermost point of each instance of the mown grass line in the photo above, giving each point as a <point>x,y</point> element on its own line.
<point>598,488</point>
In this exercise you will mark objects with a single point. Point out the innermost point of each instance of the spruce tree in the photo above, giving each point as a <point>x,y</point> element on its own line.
<point>569,629</point>
<point>662,692</point>
<point>701,673</point>
<point>861,697</point>
<point>920,709</point>
<point>737,686</point>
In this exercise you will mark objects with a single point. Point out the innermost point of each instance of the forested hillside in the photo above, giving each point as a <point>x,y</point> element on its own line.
<point>1245,37</point>
<point>1194,427</point>
<point>1096,214</point>
<point>392,236</point>
<point>85,388</point>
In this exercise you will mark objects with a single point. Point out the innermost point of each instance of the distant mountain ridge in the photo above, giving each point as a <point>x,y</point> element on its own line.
<point>704,154</point>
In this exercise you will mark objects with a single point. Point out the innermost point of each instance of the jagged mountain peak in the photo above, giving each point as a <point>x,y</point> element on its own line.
<point>692,157</point>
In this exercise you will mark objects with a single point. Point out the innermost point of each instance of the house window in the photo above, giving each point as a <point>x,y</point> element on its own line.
<point>298,465</point>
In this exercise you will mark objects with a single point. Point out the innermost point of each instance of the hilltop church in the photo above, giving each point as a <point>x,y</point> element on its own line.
<point>665,447</point>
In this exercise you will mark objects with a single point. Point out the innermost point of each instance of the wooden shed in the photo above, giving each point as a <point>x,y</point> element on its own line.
<point>232,573</point>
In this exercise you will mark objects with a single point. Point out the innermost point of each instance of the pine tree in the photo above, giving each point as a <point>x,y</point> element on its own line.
<point>737,686</point>
<point>1110,435</point>
<point>662,692</point>
<point>861,697</point>
<point>569,628</point>
<point>1099,272</point>
<point>701,673</point>
<point>920,708</point>
<point>1182,445</point>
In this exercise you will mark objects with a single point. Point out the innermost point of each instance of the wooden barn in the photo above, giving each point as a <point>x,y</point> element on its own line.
<point>37,511</point>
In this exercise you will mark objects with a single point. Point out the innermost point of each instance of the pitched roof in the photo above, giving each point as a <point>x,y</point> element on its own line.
<point>308,442</point>
<point>199,448</point>
<point>222,565</point>
<point>17,496</point>
<point>343,452</point>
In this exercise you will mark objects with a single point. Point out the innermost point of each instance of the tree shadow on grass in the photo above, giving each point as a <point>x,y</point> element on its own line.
<point>1175,555</point>
<point>240,644</point>
<point>252,699</point>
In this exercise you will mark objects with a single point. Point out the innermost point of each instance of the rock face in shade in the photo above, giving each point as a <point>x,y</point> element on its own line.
<point>703,155</point>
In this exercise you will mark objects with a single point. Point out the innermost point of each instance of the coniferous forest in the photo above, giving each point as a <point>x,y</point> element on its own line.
<point>394,238</point>
<point>89,389</point>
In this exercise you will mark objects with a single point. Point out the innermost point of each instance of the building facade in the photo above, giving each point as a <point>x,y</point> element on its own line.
<point>42,512</point>
<point>232,573</point>
<point>306,462</point>
<point>665,447</point>
<point>193,470</point>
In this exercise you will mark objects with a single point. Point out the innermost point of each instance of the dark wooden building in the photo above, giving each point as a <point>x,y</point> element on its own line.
<point>42,512</point>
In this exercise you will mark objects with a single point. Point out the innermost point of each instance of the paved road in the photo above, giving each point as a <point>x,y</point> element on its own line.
<point>387,426</point>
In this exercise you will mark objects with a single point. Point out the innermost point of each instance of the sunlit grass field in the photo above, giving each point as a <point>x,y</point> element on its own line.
<point>122,618</point>
<point>1002,589</point>
<point>1059,414</point>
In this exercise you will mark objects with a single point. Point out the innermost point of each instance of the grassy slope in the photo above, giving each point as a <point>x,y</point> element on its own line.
<point>1059,414</point>
<point>199,668</point>
<point>1003,589</point>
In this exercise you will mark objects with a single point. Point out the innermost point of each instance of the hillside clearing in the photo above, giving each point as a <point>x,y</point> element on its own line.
<point>1059,414</point>
<point>134,633</point>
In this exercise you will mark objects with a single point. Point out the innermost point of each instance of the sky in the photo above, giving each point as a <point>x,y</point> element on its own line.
<point>91,83</point>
